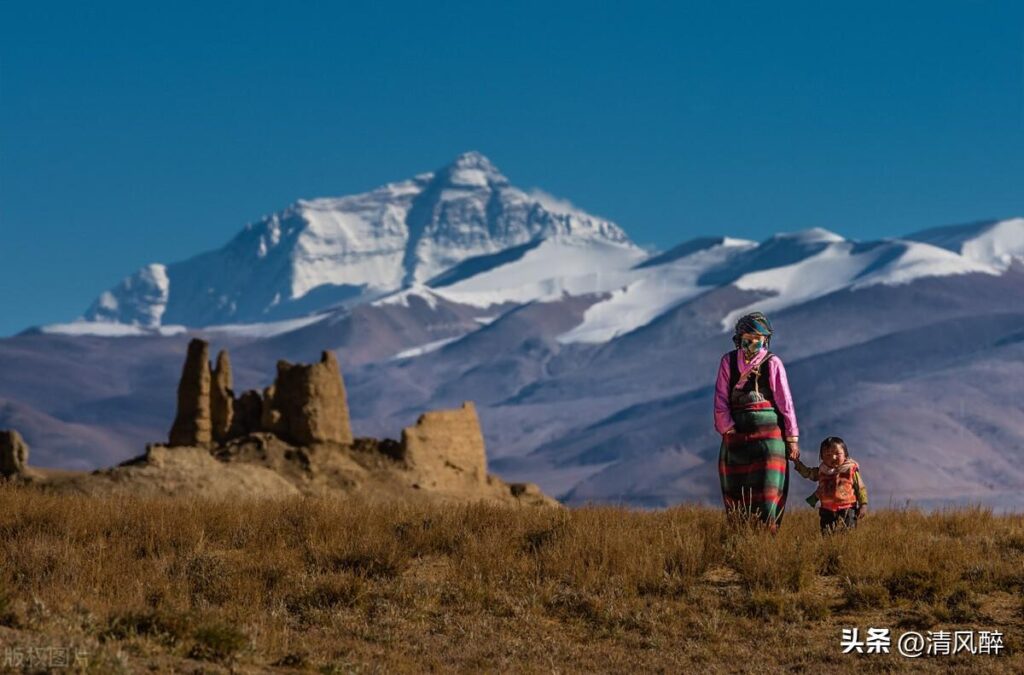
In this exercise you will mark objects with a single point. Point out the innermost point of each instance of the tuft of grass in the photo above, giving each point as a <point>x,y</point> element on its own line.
<point>792,607</point>
<point>862,595</point>
<point>962,605</point>
<point>921,616</point>
<point>8,614</point>
<point>217,641</point>
<point>207,577</point>
<point>167,629</point>
<point>915,584</point>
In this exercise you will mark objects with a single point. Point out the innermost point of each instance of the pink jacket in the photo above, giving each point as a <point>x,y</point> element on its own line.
<point>780,392</point>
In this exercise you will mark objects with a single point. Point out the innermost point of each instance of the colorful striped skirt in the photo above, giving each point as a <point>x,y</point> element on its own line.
<point>752,465</point>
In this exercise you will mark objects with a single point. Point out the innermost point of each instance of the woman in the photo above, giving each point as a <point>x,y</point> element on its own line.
<point>754,413</point>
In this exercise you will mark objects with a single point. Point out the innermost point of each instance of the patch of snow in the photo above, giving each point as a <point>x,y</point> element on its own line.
<point>469,178</point>
<point>995,243</point>
<point>348,242</point>
<point>555,204</point>
<point>110,329</point>
<point>734,242</point>
<point>139,299</point>
<point>424,349</point>
<point>923,260</point>
<point>653,291</point>
<point>428,295</point>
<point>558,265</point>
<point>107,301</point>
<point>813,235</point>
<point>266,330</point>
<point>845,265</point>
<point>999,245</point>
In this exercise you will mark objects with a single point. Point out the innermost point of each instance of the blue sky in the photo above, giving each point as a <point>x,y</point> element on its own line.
<point>141,132</point>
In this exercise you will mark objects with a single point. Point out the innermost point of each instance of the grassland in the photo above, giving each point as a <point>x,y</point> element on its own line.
<point>321,585</point>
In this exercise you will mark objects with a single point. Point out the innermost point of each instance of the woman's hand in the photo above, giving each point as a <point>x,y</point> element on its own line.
<point>792,450</point>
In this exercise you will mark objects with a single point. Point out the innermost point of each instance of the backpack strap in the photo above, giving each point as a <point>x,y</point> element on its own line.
<point>734,368</point>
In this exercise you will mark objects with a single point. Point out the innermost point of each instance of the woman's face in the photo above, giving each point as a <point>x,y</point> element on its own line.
<point>833,456</point>
<point>751,342</point>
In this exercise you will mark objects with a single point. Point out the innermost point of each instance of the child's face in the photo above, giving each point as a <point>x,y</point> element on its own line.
<point>833,456</point>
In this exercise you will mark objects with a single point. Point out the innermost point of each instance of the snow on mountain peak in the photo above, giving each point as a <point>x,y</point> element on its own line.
<point>139,299</point>
<point>992,242</point>
<point>335,251</point>
<point>999,245</point>
<point>470,235</point>
<point>470,209</point>
<point>694,247</point>
<point>472,169</point>
<point>846,265</point>
<point>813,235</point>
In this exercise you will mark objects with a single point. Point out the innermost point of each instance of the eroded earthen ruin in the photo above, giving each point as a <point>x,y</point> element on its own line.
<point>293,438</point>
<point>303,418</point>
<point>13,453</point>
<point>305,405</point>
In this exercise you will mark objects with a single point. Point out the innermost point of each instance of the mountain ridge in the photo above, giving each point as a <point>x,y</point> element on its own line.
<point>468,234</point>
<point>337,251</point>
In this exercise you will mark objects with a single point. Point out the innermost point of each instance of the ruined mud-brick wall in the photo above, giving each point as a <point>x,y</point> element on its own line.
<point>13,453</point>
<point>305,405</point>
<point>446,448</point>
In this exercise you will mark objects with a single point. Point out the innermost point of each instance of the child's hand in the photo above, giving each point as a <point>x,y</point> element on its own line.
<point>862,511</point>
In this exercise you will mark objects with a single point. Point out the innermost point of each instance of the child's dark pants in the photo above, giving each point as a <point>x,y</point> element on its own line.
<point>831,520</point>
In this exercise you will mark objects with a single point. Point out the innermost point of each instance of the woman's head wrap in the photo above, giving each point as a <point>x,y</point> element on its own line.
<point>755,322</point>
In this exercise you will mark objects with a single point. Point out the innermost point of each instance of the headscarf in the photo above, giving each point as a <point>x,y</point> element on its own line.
<point>755,322</point>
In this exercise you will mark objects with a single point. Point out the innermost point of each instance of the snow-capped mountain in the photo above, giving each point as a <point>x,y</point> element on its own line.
<point>590,359</point>
<point>326,252</point>
<point>467,235</point>
<point>829,263</point>
<point>995,242</point>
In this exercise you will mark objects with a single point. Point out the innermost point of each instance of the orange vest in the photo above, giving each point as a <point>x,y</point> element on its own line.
<point>836,490</point>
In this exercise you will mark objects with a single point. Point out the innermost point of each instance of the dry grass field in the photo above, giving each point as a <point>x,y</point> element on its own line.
<point>333,586</point>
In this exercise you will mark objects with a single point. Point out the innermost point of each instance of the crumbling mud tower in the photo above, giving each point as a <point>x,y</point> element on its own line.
<point>445,448</point>
<point>299,427</point>
<point>306,404</point>
<point>192,425</point>
<point>293,439</point>
<point>13,454</point>
<point>222,399</point>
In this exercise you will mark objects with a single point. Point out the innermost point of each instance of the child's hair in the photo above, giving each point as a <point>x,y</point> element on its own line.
<point>829,442</point>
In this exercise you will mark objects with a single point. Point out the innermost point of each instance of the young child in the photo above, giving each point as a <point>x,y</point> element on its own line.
<point>843,494</point>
